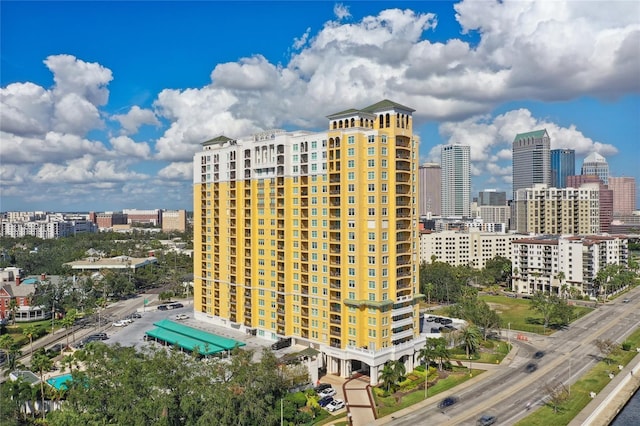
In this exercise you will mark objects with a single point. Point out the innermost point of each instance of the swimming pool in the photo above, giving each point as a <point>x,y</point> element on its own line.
<point>58,382</point>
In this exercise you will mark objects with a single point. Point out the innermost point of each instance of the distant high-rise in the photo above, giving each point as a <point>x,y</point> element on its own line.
<point>605,201</point>
<point>456,180</point>
<point>563,164</point>
<point>531,163</point>
<point>624,195</point>
<point>531,159</point>
<point>491,197</point>
<point>596,164</point>
<point>430,179</point>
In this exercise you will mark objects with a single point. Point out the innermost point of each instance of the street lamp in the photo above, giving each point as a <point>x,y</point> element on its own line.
<point>470,366</point>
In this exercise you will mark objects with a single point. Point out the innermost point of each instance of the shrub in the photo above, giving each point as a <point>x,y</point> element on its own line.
<point>626,346</point>
<point>420,368</point>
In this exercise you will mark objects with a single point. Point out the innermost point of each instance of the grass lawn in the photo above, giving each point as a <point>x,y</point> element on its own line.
<point>594,381</point>
<point>519,314</point>
<point>16,331</point>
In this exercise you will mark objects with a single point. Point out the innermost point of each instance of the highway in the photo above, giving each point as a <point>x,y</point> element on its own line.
<point>504,392</point>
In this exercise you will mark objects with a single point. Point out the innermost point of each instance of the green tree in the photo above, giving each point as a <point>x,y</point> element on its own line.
<point>40,363</point>
<point>469,338</point>
<point>13,308</point>
<point>388,377</point>
<point>544,304</point>
<point>29,331</point>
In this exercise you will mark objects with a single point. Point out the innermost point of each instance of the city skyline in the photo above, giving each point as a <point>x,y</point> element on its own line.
<point>110,120</point>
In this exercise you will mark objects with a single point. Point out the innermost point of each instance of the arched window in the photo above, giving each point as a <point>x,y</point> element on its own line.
<point>388,120</point>
<point>397,120</point>
<point>335,125</point>
<point>353,122</point>
<point>381,124</point>
<point>340,124</point>
<point>361,121</point>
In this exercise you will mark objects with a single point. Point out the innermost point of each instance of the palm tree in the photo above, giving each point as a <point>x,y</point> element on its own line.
<point>40,362</point>
<point>399,369</point>
<point>469,337</point>
<point>429,288</point>
<point>388,376</point>
<point>435,348</point>
<point>67,322</point>
<point>13,307</point>
<point>563,286</point>
<point>29,331</point>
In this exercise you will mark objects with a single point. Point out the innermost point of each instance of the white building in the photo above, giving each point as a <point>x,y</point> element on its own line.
<point>546,263</point>
<point>465,248</point>
<point>456,180</point>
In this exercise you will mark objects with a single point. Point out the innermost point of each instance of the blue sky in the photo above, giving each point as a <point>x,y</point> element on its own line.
<point>104,103</point>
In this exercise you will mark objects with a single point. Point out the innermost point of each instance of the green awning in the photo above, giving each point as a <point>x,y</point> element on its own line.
<point>190,338</point>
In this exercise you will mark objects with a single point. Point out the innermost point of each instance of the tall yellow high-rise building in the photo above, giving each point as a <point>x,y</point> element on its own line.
<point>314,236</point>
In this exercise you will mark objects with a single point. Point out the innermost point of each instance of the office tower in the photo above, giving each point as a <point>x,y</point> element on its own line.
<point>606,198</point>
<point>563,164</point>
<point>456,180</point>
<point>596,164</point>
<point>624,195</point>
<point>491,197</point>
<point>429,186</point>
<point>313,237</point>
<point>174,220</point>
<point>547,210</point>
<point>531,159</point>
<point>531,163</point>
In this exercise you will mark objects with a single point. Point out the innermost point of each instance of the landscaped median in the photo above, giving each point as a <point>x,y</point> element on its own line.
<point>412,390</point>
<point>579,394</point>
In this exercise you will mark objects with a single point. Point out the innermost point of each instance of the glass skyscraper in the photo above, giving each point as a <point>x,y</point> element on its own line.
<point>563,164</point>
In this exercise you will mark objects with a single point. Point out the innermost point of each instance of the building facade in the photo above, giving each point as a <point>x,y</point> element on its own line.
<point>465,248</point>
<point>491,197</point>
<point>544,210</point>
<point>456,180</point>
<point>313,236</point>
<point>174,220</point>
<point>596,164</point>
<point>559,264</point>
<point>429,186</point>
<point>624,195</point>
<point>606,198</point>
<point>563,164</point>
<point>151,216</point>
<point>110,219</point>
<point>531,159</point>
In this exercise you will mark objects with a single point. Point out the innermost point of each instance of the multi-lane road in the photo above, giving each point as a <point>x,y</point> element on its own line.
<point>505,392</point>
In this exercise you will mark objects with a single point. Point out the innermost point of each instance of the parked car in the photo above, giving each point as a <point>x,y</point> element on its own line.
<point>180,317</point>
<point>448,402</point>
<point>321,387</point>
<point>531,367</point>
<point>486,420</point>
<point>176,305</point>
<point>327,392</point>
<point>335,405</point>
<point>99,336</point>
<point>323,402</point>
<point>120,324</point>
<point>282,343</point>
<point>625,301</point>
<point>163,308</point>
<point>538,355</point>
<point>136,315</point>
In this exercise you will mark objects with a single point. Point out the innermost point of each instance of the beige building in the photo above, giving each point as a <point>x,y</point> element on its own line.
<point>544,210</point>
<point>174,220</point>
<point>465,248</point>
<point>557,264</point>
<point>624,195</point>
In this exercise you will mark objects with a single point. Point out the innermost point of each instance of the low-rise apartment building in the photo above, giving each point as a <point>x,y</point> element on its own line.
<point>556,264</point>
<point>465,248</point>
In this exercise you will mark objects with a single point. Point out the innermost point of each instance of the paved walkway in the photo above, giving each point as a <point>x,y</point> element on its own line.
<point>360,401</point>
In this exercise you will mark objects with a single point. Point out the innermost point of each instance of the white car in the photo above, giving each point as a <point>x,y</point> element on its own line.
<point>327,392</point>
<point>119,324</point>
<point>335,405</point>
<point>182,317</point>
